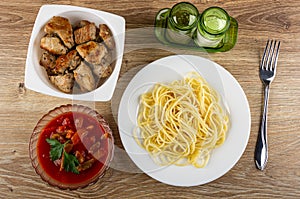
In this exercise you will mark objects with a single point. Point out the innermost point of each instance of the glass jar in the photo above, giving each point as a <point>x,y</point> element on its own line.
<point>182,22</point>
<point>212,26</point>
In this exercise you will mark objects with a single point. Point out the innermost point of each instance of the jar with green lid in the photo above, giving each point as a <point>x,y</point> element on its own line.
<point>213,23</point>
<point>182,22</point>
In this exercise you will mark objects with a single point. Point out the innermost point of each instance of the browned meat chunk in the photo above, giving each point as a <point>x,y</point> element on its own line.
<point>86,165</point>
<point>92,52</point>
<point>106,35</point>
<point>47,61</point>
<point>63,28</point>
<point>53,45</point>
<point>84,77</point>
<point>69,61</point>
<point>64,83</point>
<point>85,33</point>
<point>104,69</point>
<point>83,23</point>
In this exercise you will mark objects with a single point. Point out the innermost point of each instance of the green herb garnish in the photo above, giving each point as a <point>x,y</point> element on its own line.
<point>70,161</point>
<point>56,149</point>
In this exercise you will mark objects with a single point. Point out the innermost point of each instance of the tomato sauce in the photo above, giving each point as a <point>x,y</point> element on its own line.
<point>68,121</point>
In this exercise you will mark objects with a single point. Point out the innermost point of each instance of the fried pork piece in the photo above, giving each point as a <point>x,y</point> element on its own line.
<point>83,23</point>
<point>84,77</point>
<point>63,28</point>
<point>92,52</point>
<point>85,33</point>
<point>47,61</point>
<point>106,35</point>
<point>69,61</point>
<point>53,45</point>
<point>64,83</point>
<point>104,69</point>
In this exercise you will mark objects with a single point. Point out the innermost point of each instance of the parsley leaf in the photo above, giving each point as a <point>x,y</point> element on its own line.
<point>56,149</point>
<point>70,163</point>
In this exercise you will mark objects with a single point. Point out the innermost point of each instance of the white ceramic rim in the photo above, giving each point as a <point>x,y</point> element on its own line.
<point>223,158</point>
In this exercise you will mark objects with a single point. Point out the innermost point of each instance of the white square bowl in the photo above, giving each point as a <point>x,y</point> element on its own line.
<point>36,78</point>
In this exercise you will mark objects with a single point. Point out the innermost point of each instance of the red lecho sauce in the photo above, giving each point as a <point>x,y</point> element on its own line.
<point>95,134</point>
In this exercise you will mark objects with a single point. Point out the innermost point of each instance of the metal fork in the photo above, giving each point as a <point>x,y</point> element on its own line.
<point>267,72</point>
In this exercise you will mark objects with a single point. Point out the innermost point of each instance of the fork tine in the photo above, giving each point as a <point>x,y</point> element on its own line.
<point>269,57</point>
<point>274,58</point>
<point>264,58</point>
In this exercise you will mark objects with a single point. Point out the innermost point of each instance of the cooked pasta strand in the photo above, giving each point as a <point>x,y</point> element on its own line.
<point>182,122</point>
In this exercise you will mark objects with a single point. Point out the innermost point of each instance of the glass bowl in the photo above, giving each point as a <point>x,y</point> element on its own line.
<point>93,148</point>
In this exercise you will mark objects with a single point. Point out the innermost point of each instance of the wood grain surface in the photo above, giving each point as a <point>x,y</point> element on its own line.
<point>258,21</point>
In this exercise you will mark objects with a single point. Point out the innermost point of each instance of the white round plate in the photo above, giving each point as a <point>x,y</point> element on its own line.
<point>167,70</point>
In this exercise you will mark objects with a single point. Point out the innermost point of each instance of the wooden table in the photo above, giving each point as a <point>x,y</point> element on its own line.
<point>21,108</point>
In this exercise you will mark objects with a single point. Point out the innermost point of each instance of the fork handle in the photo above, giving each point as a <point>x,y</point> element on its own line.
<point>261,149</point>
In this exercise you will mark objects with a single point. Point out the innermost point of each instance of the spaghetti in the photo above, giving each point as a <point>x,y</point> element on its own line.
<point>181,122</point>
